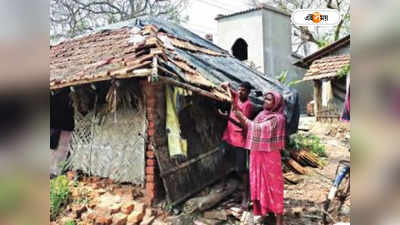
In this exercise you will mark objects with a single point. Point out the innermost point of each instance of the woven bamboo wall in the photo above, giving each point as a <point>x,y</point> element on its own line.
<point>109,145</point>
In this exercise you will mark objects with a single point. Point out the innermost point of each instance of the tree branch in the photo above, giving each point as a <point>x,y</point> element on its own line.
<point>340,25</point>
<point>329,4</point>
<point>89,5</point>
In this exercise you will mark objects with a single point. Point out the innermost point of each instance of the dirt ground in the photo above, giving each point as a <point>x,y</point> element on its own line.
<point>303,201</point>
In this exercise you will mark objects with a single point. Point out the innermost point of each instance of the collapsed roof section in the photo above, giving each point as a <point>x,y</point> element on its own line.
<point>148,47</point>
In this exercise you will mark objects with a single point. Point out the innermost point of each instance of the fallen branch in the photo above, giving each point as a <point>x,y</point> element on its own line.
<point>295,166</point>
<point>206,202</point>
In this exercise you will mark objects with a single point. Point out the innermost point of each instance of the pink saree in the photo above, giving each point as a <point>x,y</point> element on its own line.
<point>265,139</point>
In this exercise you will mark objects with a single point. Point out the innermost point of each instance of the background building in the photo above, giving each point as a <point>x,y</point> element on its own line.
<point>262,37</point>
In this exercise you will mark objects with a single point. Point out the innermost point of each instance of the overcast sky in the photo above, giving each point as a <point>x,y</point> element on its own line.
<point>202,14</point>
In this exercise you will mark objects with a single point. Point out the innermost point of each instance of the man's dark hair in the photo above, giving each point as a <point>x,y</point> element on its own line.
<point>246,85</point>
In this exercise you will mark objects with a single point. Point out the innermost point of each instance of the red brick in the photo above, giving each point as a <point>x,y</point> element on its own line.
<point>150,116</point>
<point>95,185</point>
<point>150,109</point>
<point>150,186</point>
<point>93,203</point>
<point>151,101</point>
<point>94,179</point>
<point>115,208</point>
<point>91,216</point>
<point>136,216</point>
<point>150,162</point>
<point>150,147</point>
<point>151,124</point>
<point>151,131</point>
<point>150,178</point>
<point>150,170</point>
<point>127,208</point>
<point>150,154</point>
<point>71,175</point>
<point>150,194</point>
<point>103,220</point>
<point>108,181</point>
<point>149,200</point>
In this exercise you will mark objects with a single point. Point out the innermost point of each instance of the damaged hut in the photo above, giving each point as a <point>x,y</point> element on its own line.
<point>328,69</point>
<point>142,97</point>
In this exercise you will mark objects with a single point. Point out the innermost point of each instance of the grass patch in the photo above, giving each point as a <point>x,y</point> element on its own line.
<point>71,222</point>
<point>59,195</point>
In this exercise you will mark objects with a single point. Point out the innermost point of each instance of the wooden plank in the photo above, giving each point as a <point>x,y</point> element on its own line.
<point>137,73</point>
<point>317,87</point>
<point>188,163</point>
<point>154,70</point>
<point>129,69</point>
<point>199,188</point>
<point>192,88</point>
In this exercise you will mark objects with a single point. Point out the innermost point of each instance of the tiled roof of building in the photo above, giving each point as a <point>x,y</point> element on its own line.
<point>127,50</point>
<point>306,61</point>
<point>148,47</point>
<point>327,67</point>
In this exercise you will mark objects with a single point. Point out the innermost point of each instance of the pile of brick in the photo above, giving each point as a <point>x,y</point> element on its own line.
<point>96,201</point>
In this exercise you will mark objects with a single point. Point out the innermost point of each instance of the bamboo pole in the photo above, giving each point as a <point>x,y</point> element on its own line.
<point>192,88</point>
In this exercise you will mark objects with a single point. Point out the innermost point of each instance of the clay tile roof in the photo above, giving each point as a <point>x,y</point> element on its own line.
<point>90,57</point>
<point>327,67</point>
<point>147,47</point>
<point>117,52</point>
<point>306,61</point>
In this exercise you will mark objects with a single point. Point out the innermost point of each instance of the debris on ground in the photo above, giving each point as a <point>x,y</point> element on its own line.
<point>210,200</point>
<point>308,177</point>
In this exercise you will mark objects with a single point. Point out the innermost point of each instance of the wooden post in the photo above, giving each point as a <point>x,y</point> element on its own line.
<point>317,96</point>
<point>154,72</point>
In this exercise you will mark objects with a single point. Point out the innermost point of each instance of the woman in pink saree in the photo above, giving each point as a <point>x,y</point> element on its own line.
<point>265,138</point>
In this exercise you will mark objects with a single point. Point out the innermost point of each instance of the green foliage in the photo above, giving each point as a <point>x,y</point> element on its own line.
<point>323,43</point>
<point>59,195</point>
<point>282,78</point>
<point>71,222</point>
<point>309,142</point>
<point>344,71</point>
